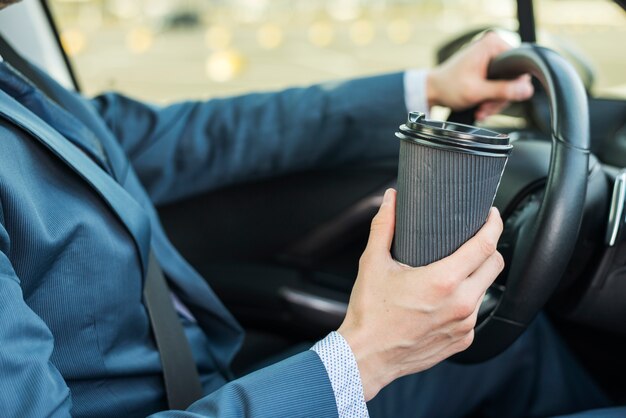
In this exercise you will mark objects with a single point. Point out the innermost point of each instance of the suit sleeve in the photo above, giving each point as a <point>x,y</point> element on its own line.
<point>30,385</point>
<point>193,147</point>
<point>297,387</point>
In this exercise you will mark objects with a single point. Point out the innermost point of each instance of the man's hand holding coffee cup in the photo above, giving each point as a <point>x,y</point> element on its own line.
<point>403,320</point>
<point>461,82</point>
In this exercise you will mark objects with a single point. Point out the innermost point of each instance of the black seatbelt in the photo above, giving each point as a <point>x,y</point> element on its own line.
<point>182,383</point>
<point>180,374</point>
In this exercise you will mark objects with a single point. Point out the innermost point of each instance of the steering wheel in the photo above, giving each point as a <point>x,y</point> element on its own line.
<point>546,244</point>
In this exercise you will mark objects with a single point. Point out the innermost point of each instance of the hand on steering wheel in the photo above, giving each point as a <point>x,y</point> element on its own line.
<point>543,252</point>
<point>461,82</point>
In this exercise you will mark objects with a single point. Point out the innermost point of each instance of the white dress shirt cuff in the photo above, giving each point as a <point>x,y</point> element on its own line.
<point>415,96</point>
<point>344,376</point>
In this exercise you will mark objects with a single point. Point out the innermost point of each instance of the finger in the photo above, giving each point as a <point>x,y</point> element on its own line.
<point>479,303</point>
<point>383,224</point>
<point>490,108</point>
<point>508,90</point>
<point>466,324</point>
<point>477,250</point>
<point>493,44</point>
<point>484,276</point>
<point>469,323</point>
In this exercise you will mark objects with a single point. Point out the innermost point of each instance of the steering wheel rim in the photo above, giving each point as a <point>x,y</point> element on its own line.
<point>545,248</point>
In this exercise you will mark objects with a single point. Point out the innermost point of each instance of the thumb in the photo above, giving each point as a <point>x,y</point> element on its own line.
<point>508,90</point>
<point>490,108</point>
<point>383,224</point>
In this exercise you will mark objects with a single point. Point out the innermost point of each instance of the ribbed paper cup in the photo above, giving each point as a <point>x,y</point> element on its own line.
<point>448,175</point>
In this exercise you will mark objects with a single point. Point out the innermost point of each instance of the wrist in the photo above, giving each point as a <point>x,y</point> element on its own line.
<point>432,88</point>
<point>375,372</point>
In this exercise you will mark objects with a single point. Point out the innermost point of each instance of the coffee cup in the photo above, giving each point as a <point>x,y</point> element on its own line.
<point>448,175</point>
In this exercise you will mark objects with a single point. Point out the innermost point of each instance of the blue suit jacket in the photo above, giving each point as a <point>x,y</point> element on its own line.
<point>77,220</point>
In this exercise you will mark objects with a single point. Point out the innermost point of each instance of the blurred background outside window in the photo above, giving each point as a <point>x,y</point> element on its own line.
<point>164,50</point>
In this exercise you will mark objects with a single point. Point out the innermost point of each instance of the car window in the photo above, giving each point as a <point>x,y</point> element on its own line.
<point>164,50</point>
<point>595,31</point>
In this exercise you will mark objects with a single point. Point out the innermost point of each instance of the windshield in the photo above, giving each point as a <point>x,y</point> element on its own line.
<point>233,46</point>
<point>592,31</point>
<point>164,50</point>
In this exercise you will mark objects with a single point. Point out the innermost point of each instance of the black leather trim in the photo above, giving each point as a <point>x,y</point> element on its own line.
<point>544,250</point>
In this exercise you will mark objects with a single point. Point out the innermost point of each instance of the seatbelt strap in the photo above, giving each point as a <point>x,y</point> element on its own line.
<point>182,382</point>
<point>180,374</point>
<point>24,67</point>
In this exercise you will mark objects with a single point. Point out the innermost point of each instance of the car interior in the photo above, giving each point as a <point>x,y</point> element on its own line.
<point>282,254</point>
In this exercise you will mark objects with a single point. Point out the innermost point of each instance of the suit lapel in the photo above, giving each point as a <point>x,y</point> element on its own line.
<point>123,205</point>
<point>47,107</point>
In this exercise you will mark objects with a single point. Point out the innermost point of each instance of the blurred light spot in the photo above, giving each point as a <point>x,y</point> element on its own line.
<point>362,32</point>
<point>249,11</point>
<point>399,31</point>
<point>269,36</point>
<point>73,41</point>
<point>321,34</point>
<point>224,65</point>
<point>218,37</point>
<point>139,40</point>
<point>343,9</point>
<point>124,9</point>
<point>158,8</point>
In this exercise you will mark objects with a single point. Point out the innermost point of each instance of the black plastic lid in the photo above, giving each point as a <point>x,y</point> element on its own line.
<point>454,136</point>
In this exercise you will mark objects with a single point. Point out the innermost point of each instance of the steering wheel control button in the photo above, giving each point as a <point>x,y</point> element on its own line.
<point>448,175</point>
<point>615,225</point>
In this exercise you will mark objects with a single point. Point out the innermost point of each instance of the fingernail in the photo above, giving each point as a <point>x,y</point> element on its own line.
<point>387,196</point>
<point>495,211</point>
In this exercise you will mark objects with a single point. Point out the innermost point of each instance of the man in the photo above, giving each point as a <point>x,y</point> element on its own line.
<point>79,238</point>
